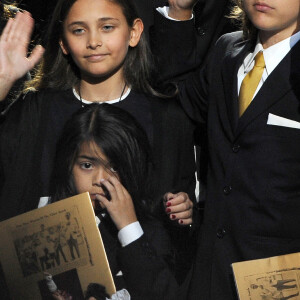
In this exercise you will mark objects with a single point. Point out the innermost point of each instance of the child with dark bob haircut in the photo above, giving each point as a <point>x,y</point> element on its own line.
<point>105,152</point>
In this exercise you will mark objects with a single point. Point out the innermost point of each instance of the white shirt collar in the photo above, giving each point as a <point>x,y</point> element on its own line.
<point>272,55</point>
<point>109,101</point>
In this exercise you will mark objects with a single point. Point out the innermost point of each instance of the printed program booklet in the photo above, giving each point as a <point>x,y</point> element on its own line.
<point>270,278</point>
<point>61,239</point>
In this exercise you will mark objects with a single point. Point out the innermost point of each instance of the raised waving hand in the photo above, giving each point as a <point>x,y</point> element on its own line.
<point>14,59</point>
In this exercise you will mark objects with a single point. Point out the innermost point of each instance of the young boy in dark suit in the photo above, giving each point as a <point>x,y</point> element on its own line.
<point>248,97</point>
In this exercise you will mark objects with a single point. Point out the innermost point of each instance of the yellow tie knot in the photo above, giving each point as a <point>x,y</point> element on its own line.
<point>259,60</point>
<point>250,83</point>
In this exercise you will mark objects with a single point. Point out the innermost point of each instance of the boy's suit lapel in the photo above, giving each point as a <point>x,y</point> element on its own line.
<point>281,80</point>
<point>232,62</point>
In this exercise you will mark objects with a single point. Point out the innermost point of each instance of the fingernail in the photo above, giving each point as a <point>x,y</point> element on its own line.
<point>168,210</point>
<point>180,221</point>
<point>169,203</point>
<point>173,217</point>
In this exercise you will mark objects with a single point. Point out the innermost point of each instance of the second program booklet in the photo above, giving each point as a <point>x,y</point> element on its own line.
<point>272,278</point>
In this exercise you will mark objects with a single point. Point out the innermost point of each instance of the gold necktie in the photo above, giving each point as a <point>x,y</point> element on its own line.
<point>250,83</point>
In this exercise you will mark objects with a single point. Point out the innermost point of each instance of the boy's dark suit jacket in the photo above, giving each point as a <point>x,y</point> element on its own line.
<point>253,195</point>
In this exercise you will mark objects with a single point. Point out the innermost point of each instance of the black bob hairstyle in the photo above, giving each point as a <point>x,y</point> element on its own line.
<point>120,138</point>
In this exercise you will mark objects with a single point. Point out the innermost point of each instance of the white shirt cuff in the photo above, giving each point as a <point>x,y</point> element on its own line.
<point>44,201</point>
<point>165,12</point>
<point>120,295</point>
<point>98,221</point>
<point>130,233</point>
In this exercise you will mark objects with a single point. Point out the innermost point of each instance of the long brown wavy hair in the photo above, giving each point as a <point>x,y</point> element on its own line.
<point>238,14</point>
<point>60,72</point>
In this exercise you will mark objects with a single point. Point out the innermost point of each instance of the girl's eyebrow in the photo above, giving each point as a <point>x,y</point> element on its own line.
<point>88,157</point>
<point>104,19</point>
<point>108,19</point>
<point>93,159</point>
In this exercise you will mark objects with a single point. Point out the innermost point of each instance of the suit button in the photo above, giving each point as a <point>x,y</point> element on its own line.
<point>201,31</point>
<point>221,233</point>
<point>236,148</point>
<point>145,244</point>
<point>227,190</point>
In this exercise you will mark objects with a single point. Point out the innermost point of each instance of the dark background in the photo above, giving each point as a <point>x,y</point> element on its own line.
<point>41,11</point>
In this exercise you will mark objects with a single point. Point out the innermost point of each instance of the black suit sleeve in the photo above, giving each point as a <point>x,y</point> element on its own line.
<point>175,59</point>
<point>18,135</point>
<point>173,45</point>
<point>146,265</point>
<point>189,42</point>
<point>211,22</point>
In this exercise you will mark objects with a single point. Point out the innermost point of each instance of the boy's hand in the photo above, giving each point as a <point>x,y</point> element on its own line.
<point>181,9</point>
<point>14,41</point>
<point>120,207</point>
<point>179,207</point>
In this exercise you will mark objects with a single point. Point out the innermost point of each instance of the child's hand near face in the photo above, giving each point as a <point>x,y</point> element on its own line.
<point>120,207</point>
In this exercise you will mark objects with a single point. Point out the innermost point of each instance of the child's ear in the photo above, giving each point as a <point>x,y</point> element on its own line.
<point>63,47</point>
<point>136,32</point>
